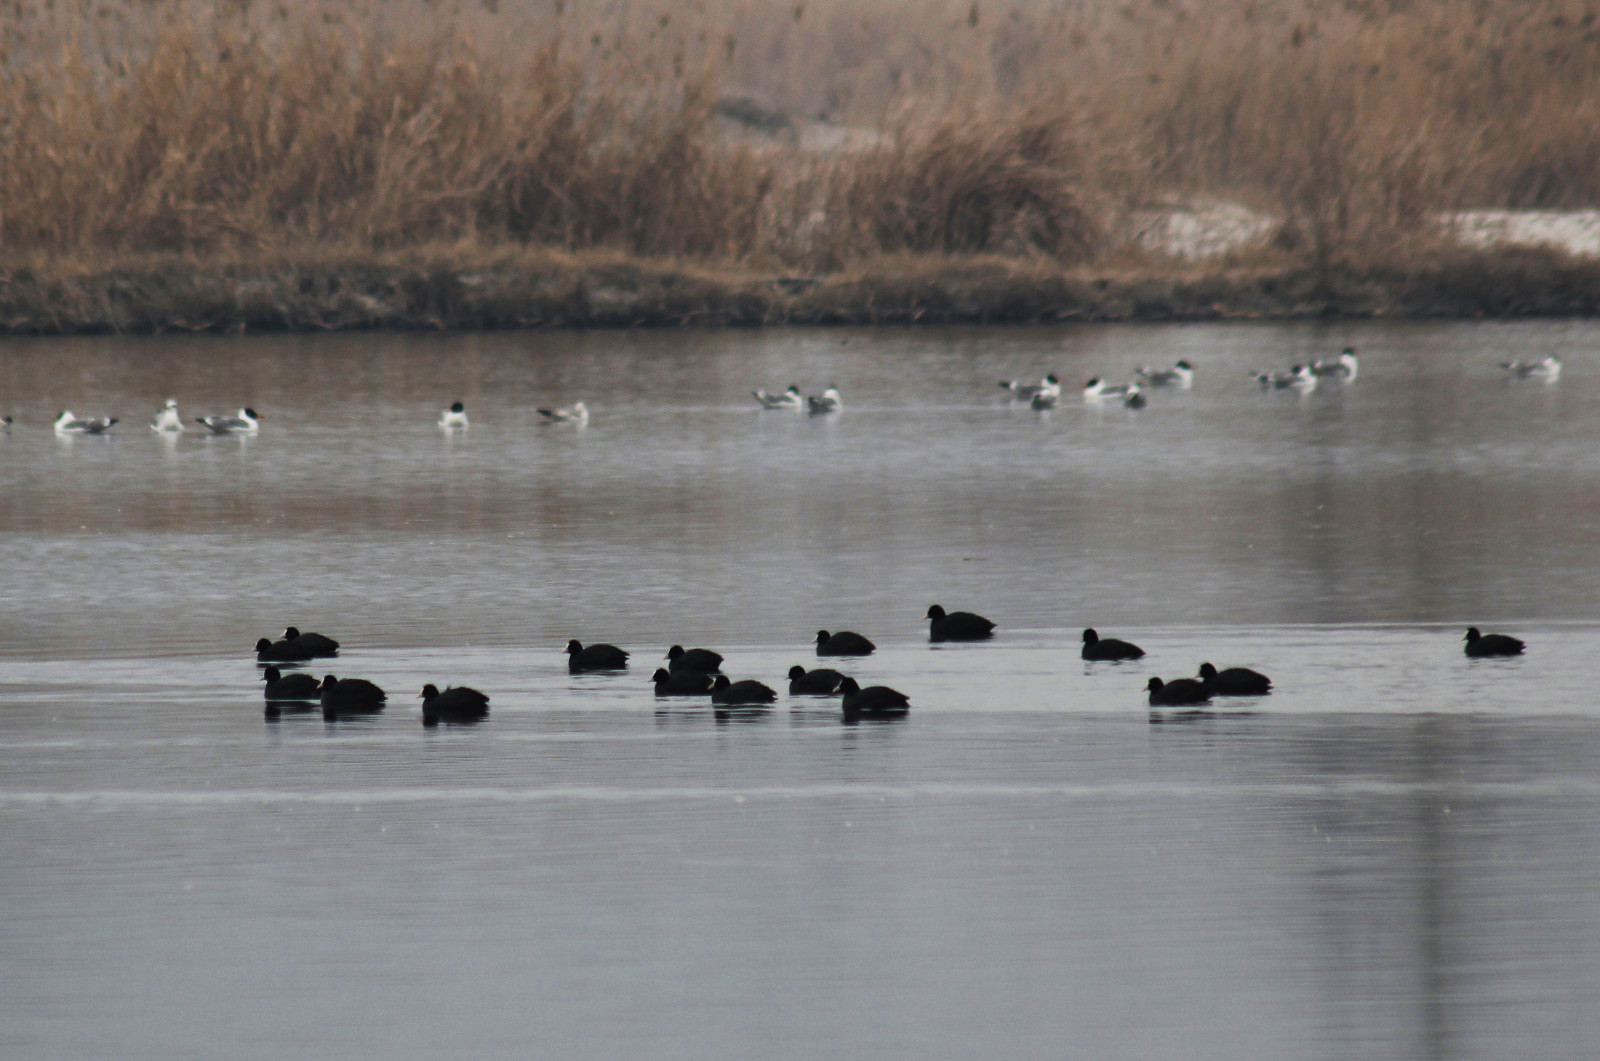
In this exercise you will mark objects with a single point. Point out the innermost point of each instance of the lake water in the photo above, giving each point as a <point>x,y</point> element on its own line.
<point>1393,856</point>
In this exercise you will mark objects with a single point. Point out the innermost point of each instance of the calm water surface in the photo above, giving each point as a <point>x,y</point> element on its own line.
<point>1393,856</point>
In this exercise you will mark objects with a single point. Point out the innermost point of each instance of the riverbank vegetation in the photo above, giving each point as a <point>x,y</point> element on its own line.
<point>764,153</point>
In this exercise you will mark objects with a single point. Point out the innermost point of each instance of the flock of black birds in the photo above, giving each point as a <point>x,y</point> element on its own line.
<point>697,672</point>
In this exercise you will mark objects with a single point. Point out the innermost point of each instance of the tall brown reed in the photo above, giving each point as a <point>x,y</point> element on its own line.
<point>242,127</point>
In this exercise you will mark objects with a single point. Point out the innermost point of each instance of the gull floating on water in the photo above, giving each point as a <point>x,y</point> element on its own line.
<point>1345,367</point>
<point>576,413</point>
<point>1098,390</point>
<point>67,424</point>
<point>1179,375</point>
<point>827,402</point>
<point>1047,394</point>
<point>1547,369</point>
<point>1025,391</point>
<point>245,423</point>
<point>1300,377</point>
<point>789,399</point>
<point>455,416</point>
<point>167,419</point>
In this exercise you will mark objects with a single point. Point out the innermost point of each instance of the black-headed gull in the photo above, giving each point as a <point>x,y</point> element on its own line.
<point>826,402</point>
<point>244,423</point>
<point>1098,390</point>
<point>1025,391</point>
<point>67,424</point>
<point>789,399</point>
<point>1179,375</point>
<point>576,413</point>
<point>1299,377</point>
<point>1547,368</point>
<point>1344,366</point>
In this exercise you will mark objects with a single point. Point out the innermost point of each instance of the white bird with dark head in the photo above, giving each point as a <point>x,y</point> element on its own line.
<point>67,424</point>
<point>1179,375</point>
<point>828,401</point>
<point>1344,367</point>
<point>576,413</point>
<point>246,422</point>
<point>1547,369</point>
<point>789,399</point>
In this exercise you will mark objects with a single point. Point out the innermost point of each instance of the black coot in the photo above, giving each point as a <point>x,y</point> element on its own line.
<point>957,626</point>
<point>318,646</point>
<point>683,683</point>
<point>819,682</point>
<point>1096,647</point>
<point>696,659</point>
<point>279,652</point>
<point>749,691</point>
<point>1492,644</point>
<point>595,657</point>
<point>1234,681</point>
<point>874,700</point>
<point>844,643</point>
<point>1177,693</point>
<point>293,687</point>
<point>455,704</point>
<point>350,696</point>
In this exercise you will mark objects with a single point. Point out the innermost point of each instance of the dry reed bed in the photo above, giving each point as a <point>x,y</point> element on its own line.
<point>229,133</point>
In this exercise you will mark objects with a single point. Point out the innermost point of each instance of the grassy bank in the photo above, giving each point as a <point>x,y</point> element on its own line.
<point>533,289</point>
<point>216,163</point>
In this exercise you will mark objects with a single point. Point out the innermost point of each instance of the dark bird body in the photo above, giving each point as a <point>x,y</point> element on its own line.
<point>279,652</point>
<point>819,682</point>
<point>732,694</point>
<point>315,644</point>
<point>1179,692</point>
<point>455,704</point>
<point>1097,648</point>
<point>1480,645</point>
<point>293,687</point>
<point>957,626</point>
<point>874,700</point>
<point>595,657</point>
<point>1234,681</point>
<point>695,659</point>
<point>683,683</point>
<point>844,643</point>
<point>350,695</point>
